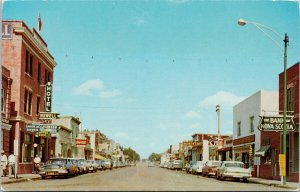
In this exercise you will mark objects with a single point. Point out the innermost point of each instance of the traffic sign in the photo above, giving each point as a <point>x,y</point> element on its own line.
<point>275,123</point>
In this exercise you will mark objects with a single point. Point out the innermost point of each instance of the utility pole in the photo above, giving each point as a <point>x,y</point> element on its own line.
<point>218,109</point>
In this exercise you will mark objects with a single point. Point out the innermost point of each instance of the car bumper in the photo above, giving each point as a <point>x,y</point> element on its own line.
<point>53,173</point>
<point>237,175</point>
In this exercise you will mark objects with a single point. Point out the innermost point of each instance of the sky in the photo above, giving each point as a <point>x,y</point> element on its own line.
<point>149,73</point>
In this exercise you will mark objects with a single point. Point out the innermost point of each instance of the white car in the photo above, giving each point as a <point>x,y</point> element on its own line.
<point>196,168</point>
<point>233,169</point>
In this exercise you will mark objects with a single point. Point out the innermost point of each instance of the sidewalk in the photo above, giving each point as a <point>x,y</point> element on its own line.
<point>21,178</point>
<point>289,185</point>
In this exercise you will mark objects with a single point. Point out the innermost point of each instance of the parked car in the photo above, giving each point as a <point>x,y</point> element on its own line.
<point>177,165</point>
<point>210,168</point>
<point>170,164</point>
<point>166,164</point>
<point>106,164</point>
<point>92,165</point>
<point>99,162</point>
<point>196,168</point>
<point>58,167</point>
<point>233,169</point>
<point>188,166</point>
<point>82,165</point>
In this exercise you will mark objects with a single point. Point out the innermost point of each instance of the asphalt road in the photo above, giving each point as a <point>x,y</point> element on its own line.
<point>138,178</point>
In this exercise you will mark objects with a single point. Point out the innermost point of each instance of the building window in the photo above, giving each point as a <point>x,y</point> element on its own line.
<point>37,105</point>
<point>290,99</point>
<point>2,101</point>
<point>49,77</point>
<point>46,76</point>
<point>239,129</point>
<point>27,102</point>
<point>29,63</point>
<point>39,72</point>
<point>251,124</point>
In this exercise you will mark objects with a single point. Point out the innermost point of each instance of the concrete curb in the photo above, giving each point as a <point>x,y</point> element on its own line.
<point>20,180</point>
<point>274,184</point>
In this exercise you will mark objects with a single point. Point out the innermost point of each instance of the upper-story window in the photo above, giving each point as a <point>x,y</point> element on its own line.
<point>39,73</point>
<point>29,63</point>
<point>38,105</point>
<point>239,128</point>
<point>47,76</point>
<point>2,101</point>
<point>251,124</point>
<point>27,102</point>
<point>290,99</point>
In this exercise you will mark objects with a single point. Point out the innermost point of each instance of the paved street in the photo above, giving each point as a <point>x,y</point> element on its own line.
<point>141,178</point>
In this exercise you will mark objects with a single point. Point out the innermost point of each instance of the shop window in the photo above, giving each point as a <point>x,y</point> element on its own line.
<point>296,152</point>
<point>239,129</point>
<point>290,100</point>
<point>27,102</point>
<point>251,124</point>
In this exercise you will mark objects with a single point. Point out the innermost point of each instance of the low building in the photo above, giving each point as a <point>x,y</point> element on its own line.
<point>246,116</point>
<point>225,151</point>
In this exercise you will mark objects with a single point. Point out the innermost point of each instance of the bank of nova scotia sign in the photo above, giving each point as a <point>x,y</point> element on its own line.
<point>275,123</point>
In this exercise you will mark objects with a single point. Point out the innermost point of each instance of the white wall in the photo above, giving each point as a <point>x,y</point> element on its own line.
<point>205,154</point>
<point>254,106</point>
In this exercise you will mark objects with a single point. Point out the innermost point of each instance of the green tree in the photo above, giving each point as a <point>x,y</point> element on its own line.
<point>154,157</point>
<point>132,154</point>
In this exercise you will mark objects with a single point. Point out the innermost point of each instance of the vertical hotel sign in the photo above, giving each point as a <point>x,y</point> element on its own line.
<point>48,97</point>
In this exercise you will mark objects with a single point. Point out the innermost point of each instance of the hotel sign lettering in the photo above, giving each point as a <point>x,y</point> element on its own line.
<point>275,123</point>
<point>47,115</point>
<point>48,97</point>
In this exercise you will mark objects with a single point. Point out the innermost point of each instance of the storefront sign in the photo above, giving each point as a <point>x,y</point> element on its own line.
<point>275,123</point>
<point>81,142</point>
<point>47,115</point>
<point>282,165</point>
<point>44,133</point>
<point>7,30</point>
<point>48,97</point>
<point>42,127</point>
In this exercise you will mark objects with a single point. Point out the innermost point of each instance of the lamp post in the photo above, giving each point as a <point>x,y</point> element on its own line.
<point>261,27</point>
<point>218,109</point>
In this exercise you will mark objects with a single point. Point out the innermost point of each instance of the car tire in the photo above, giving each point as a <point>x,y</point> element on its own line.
<point>222,178</point>
<point>43,177</point>
<point>245,180</point>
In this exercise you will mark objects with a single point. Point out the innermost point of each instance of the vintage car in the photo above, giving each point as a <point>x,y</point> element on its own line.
<point>233,169</point>
<point>92,165</point>
<point>210,168</point>
<point>82,165</point>
<point>58,167</point>
<point>106,164</point>
<point>188,166</point>
<point>177,165</point>
<point>196,168</point>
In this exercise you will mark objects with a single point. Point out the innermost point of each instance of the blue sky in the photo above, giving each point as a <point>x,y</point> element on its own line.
<point>150,73</point>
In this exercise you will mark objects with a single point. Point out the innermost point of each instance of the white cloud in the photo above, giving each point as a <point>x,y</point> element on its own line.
<point>139,21</point>
<point>223,98</point>
<point>109,94</point>
<point>193,115</point>
<point>120,134</point>
<point>88,87</point>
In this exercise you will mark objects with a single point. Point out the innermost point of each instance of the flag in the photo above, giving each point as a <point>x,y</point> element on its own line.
<point>39,23</point>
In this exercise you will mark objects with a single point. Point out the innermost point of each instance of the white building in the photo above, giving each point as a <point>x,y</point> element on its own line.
<point>246,136</point>
<point>165,157</point>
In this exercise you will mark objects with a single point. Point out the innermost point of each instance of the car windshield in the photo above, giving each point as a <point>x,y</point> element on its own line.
<point>56,161</point>
<point>234,165</point>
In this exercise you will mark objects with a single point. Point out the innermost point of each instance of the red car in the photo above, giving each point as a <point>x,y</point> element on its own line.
<point>210,167</point>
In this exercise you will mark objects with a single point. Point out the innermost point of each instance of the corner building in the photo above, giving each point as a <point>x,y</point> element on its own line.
<point>25,54</point>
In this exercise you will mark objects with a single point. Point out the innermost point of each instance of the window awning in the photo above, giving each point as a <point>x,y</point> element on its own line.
<point>262,151</point>
<point>99,157</point>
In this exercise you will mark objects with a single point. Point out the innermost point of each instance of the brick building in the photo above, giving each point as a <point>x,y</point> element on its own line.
<point>25,55</point>
<point>5,110</point>
<point>269,162</point>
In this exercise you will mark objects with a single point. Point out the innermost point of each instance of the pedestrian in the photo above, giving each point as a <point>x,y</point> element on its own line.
<point>37,161</point>
<point>3,164</point>
<point>11,164</point>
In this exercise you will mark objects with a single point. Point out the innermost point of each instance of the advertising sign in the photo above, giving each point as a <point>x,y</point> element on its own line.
<point>42,127</point>
<point>48,97</point>
<point>282,165</point>
<point>82,142</point>
<point>275,123</point>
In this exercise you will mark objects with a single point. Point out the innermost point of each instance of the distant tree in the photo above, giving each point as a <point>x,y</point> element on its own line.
<point>154,157</point>
<point>132,154</point>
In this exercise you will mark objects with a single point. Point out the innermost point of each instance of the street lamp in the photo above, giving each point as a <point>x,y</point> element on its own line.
<point>218,109</point>
<point>261,27</point>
